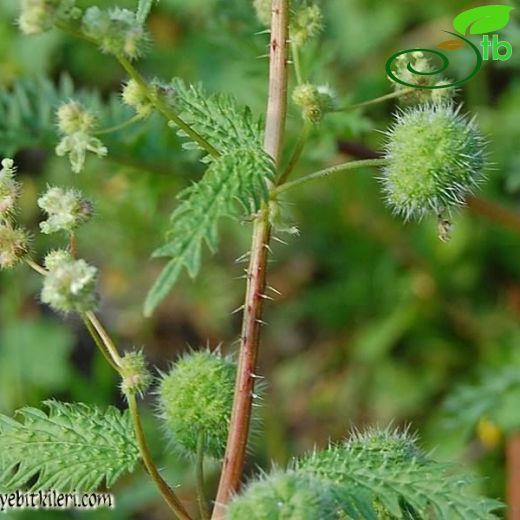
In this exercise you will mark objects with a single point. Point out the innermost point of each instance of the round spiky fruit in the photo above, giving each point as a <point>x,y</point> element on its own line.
<point>285,496</point>
<point>196,397</point>
<point>436,156</point>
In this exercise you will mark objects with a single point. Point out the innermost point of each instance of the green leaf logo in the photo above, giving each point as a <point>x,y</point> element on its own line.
<point>480,20</point>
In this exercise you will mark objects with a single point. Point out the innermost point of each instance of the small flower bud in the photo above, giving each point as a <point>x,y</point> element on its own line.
<point>66,210</point>
<point>40,15</point>
<point>71,286</point>
<point>134,96</point>
<point>306,24</point>
<point>76,124</point>
<point>435,158</point>
<point>9,189</point>
<point>116,31</point>
<point>314,101</point>
<point>136,378</point>
<point>73,117</point>
<point>56,258</point>
<point>14,245</point>
<point>196,397</point>
<point>76,146</point>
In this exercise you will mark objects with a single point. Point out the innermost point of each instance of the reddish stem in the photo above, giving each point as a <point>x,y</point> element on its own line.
<point>235,455</point>
<point>513,477</point>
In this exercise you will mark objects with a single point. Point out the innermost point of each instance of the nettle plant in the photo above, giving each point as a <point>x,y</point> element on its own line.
<point>433,157</point>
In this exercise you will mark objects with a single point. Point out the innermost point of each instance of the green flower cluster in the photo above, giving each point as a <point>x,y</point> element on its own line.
<point>423,77</point>
<point>66,210</point>
<point>70,285</point>
<point>136,377</point>
<point>38,16</point>
<point>314,101</point>
<point>116,30</point>
<point>135,96</point>
<point>76,124</point>
<point>306,24</point>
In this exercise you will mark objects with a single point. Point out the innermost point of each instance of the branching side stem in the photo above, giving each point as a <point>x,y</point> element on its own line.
<point>166,492</point>
<point>107,347</point>
<point>120,126</point>
<point>154,98</point>
<point>296,155</point>
<point>375,101</point>
<point>99,343</point>
<point>163,107</point>
<point>234,458</point>
<point>329,171</point>
<point>105,337</point>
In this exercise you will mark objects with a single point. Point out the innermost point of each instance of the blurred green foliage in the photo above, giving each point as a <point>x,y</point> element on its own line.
<point>378,320</point>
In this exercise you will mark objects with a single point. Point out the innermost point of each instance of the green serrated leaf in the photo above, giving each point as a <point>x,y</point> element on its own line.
<point>481,20</point>
<point>72,447</point>
<point>386,471</point>
<point>218,118</point>
<point>234,185</point>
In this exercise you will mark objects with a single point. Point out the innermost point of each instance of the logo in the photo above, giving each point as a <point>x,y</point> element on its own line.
<point>477,21</point>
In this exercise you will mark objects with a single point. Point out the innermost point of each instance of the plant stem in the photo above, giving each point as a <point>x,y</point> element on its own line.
<point>120,126</point>
<point>107,347</point>
<point>163,107</point>
<point>234,458</point>
<point>33,265</point>
<point>328,171</point>
<point>166,492</point>
<point>109,350</point>
<point>295,53</point>
<point>73,246</point>
<point>105,337</point>
<point>199,477</point>
<point>295,157</point>
<point>380,99</point>
<point>513,476</point>
<point>155,99</point>
<point>99,343</point>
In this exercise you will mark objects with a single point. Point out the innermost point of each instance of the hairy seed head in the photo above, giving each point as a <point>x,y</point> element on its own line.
<point>14,245</point>
<point>9,189</point>
<point>435,158</point>
<point>196,397</point>
<point>288,495</point>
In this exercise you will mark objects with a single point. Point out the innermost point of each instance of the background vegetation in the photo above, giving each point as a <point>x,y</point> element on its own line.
<point>378,320</point>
